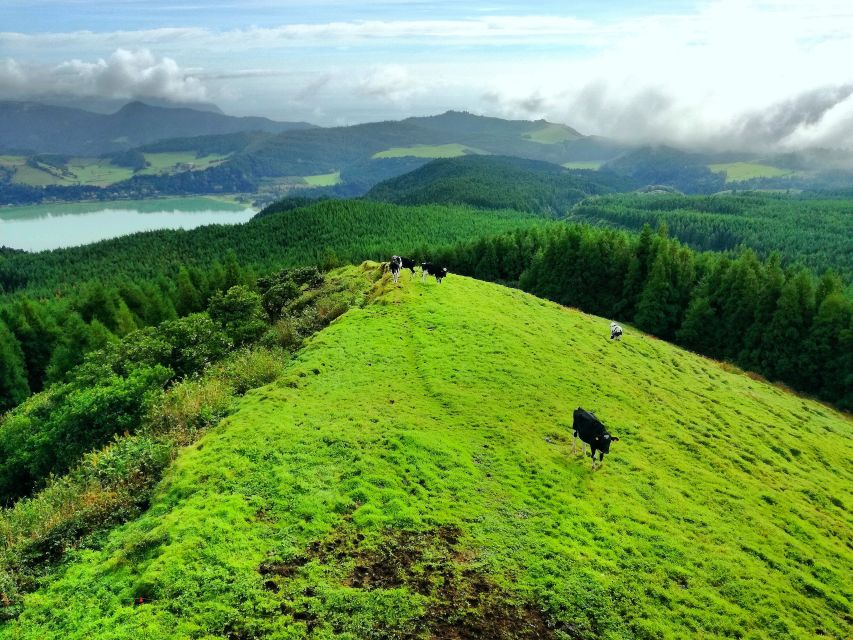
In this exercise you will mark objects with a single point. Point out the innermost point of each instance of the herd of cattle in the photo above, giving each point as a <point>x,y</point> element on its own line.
<point>398,263</point>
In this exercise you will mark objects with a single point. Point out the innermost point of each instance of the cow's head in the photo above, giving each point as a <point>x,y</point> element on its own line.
<point>602,442</point>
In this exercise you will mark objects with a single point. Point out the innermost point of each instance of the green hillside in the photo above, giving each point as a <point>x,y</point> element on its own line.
<point>498,182</point>
<point>451,150</point>
<point>411,475</point>
<point>739,171</point>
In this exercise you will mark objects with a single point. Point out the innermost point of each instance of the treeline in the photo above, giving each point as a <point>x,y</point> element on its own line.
<point>784,324</point>
<point>332,231</point>
<point>63,304</point>
<point>817,233</point>
<point>42,340</point>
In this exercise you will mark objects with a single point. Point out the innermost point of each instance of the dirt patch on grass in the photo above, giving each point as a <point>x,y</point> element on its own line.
<point>462,601</point>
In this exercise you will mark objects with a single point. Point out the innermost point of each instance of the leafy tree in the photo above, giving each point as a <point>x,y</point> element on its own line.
<point>240,314</point>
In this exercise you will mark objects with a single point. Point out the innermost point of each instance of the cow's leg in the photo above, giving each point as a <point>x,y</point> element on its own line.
<point>574,443</point>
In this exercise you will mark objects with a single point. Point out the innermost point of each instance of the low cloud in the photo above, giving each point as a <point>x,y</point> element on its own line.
<point>389,82</point>
<point>124,74</point>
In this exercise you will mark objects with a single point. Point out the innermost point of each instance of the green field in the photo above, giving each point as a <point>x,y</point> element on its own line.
<point>174,161</point>
<point>94,171</point>
<point>739,171</point>
<point>411,475</point>
<point>428,151</point>
<point>323,179</point>
<point>551,134</point>
<point>593,165</point>
<point>97,171</point>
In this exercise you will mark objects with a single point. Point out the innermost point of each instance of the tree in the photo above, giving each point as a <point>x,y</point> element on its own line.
<point>13,376</point>
<point>188,300</point>
<point>657,309</point>
<point>240,314</point>
<point>787,332</point>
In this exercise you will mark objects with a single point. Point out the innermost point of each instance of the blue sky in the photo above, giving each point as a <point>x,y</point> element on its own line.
<point>773,73</point>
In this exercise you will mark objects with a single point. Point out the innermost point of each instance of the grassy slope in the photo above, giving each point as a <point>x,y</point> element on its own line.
<point>551,134</point>
<point>738,171</point>
<point>323,179</point>
<point>724,511</point>
<point>591,165</point>
<point>428,151</point>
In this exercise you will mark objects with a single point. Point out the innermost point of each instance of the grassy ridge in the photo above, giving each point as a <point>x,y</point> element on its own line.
<point>411,474</point>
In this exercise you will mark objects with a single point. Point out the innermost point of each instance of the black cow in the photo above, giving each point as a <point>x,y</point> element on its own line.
<point>615,331</point>
<point>408,263</point>
<point>430,269</point>
<point>593,433</point>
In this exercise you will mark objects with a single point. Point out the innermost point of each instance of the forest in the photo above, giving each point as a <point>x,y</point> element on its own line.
<point>61,304</point>
<point>813,231</point>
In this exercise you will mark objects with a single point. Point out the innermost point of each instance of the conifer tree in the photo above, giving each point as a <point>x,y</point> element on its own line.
<point>13,376</point>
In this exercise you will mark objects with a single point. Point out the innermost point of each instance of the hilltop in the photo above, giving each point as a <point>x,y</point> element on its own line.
<point>498,182</point>
<point>410,475</point>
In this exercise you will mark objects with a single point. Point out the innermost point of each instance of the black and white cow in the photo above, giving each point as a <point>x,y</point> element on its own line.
<point>615,331</point>
<point>593,433</point>
<point>407,263</point>
<point>430,269</point>
<point>395,265</point>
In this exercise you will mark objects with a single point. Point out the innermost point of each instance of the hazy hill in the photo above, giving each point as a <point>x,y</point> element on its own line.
<point>411,475</point>
<point>340,147</point>
<point>498,182</point>
<point>39,128</point>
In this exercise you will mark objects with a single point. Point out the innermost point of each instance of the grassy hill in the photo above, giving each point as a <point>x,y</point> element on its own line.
<point>496,182</point>
<point>410,475</point>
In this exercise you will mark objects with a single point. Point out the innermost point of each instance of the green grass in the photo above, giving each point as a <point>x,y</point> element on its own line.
<point>33,177</point>
<point>171,162</point>
<point>97,172</point>
<point>551,134</point>
<point>739,171</point>
<point>94,171</point>
<point>323,179</point>
<point>412,472</point>
<point>428,151</point>
<point>593,165</point>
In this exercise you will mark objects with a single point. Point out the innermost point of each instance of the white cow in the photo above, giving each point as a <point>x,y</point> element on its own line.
<point>615,331</point>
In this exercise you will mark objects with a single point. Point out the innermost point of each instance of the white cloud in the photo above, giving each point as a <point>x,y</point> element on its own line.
<point>124,74</point>
<point>728,73</point>
<point>391,82</point>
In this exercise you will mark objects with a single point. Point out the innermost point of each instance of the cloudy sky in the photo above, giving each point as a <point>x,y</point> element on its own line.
<point>720,72</point>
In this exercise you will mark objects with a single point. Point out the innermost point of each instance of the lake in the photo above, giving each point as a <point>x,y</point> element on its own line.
<point>51,226</point>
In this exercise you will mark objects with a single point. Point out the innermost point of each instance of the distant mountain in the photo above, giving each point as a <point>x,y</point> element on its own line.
<point>687,172</point>
<point>38,128</point>
<point>356,151</point>
<point>111,105</point>
<point>498,182</point>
